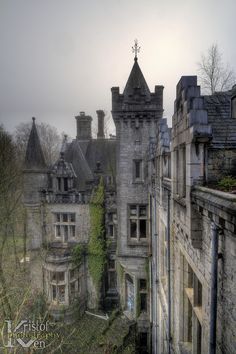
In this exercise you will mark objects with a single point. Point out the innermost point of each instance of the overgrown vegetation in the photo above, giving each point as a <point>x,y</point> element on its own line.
<point>77,254</point>
<point>227,183</point>
<point>96,246</point>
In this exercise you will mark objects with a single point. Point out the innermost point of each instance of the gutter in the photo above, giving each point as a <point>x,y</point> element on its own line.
<point>214,287</point>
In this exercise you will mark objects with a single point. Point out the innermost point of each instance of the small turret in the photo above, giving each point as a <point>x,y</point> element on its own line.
<point>35,180</point>
<point>34,158</point>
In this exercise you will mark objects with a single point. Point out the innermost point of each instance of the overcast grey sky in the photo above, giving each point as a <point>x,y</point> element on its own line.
<point>60,57</point>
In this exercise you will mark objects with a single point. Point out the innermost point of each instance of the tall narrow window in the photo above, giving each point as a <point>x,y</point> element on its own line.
<point>129,285</point>
<point>65,184</point>
<point>192,309</point>
<point>58,286</point>
<point>143,294</point>
<point>137,170</point>
<point>111,274</point>
<point>138,222</point>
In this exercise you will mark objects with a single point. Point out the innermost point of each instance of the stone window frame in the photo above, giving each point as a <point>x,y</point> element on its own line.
<point>180,171</point>
<point>137,218</point>
<point>63,184</point>
<point>130,306</point>
<point>192,313</point>
<point>61,224</point>
<point>138,179</point>
<point>74,281</point>
<point>111,272</point>
<point>164,258</point>
<point>111,221</point>
<point>56,285</point>
<point>143,292</point>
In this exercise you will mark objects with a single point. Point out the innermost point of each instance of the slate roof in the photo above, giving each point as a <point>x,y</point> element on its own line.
<point>218,107</point>
<point>136,80</point>
<point>34,158</point>
<point>84,157</point>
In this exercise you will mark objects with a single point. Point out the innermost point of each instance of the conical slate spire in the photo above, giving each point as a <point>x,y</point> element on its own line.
<point>136,81</point>
<point>34,155</point>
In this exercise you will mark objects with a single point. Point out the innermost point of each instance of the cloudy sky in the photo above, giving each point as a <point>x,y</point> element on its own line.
<point>60,57</point>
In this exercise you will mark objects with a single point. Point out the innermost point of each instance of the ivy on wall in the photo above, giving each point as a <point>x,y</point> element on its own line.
<point>77,254</point>
<point>96,245</point>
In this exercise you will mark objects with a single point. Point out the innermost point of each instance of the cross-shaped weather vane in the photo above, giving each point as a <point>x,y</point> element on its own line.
<point>135,49</point>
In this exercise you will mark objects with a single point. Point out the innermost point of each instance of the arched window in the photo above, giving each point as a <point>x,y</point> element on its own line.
<point>233,107</point>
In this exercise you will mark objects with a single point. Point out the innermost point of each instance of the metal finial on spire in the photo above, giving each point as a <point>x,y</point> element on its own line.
<point>135,49</point>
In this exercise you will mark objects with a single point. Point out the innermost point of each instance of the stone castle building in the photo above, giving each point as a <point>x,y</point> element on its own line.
<point>170,234</point>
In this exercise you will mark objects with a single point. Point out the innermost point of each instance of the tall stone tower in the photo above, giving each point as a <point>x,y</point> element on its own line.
<point>136,113</point>
<point>35,179</point>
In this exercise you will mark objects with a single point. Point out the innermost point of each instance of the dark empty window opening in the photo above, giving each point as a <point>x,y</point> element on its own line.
<point>65,184</point>
<point>143,343</point>
<point>143,302</point>
<point>111,230</point>
<point>142,284</point>
<point>59,183</point>
<point>112,279</point>
<point>137,169</point>
<point>142,228</point>
<point>133,228</point>
<point>138,221</point>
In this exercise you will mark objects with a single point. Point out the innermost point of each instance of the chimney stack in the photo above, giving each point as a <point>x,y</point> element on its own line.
<point>100,133</point>
<point>84,131</point>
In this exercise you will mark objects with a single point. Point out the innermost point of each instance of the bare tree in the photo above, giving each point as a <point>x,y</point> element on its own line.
<point>214,74</point>
<point>50,140</point>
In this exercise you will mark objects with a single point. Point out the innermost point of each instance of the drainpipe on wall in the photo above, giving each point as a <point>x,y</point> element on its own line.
<point>168,270</point>
<point>214,284</point>
<point>156,317</point>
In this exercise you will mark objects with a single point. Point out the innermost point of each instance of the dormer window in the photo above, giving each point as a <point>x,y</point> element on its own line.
<point>62,184</point>
<point>65,184</point>
<point>233,107</point>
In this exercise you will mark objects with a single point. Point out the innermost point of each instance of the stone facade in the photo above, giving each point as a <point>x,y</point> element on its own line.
<point>194,226</point>
<point>170,235</point>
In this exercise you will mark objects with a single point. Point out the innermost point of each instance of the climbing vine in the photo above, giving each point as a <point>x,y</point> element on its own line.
<point>77,254</point>
<point>96,245</point>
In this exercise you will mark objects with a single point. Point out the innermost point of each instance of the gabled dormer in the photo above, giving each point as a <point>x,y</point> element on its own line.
<point>62,176</point>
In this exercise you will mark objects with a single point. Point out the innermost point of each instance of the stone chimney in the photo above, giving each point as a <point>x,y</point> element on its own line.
<point>100,133</point>
<point>84,131</point>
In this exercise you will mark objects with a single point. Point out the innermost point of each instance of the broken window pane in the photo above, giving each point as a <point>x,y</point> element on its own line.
<point>142,228</point>
<point>133,210</point>
<point>133,228</point>
<point>61,293</point>
<point>142,210</point>
<point>72,217</point>
<point>65,217</point>
<point>58,231</point>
